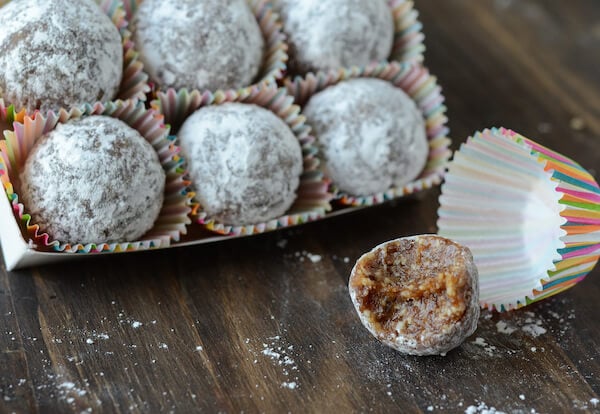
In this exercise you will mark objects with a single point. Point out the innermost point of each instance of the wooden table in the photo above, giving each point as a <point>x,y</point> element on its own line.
<point>265,324</point>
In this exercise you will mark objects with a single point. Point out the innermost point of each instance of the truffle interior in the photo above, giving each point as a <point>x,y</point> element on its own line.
<point>413,286</point>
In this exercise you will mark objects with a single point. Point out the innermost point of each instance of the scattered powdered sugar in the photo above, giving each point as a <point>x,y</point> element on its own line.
<point>532,327</point>
<point>315,258</point>
<point>524,321</point>
<point>278,353</point>
<point>533,330</point>
<point>489,349</point>
<point>282,354</point>
<point>67,385</point>
<point>306,256</point>
<point>136,324</point>
<point>57,387</point>
<point>303,255</point>
<point>482,408</point>
<point>343,259</point>
<point>504,328</point>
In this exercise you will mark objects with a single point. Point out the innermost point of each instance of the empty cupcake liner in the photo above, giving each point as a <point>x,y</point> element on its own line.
<point>173,218</point>
<point>275,55</point>
<point>530,216</point>
<point>422,87</point>
<point>313,198</point>
<point>134,84</point>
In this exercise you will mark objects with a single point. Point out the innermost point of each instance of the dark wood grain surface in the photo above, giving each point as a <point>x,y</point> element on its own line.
<point>265,324</point>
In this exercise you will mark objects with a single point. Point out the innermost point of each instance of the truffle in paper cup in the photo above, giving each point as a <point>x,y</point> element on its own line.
<point>54,79</point>
<point>419,85</point>
<point>173,217</point>
<point>326,36</point>
<point>530,216</point>
<point>272,67</point>
<point>312,200</point>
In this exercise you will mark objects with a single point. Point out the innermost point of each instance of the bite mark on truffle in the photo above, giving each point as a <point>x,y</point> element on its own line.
<point>418,295</point>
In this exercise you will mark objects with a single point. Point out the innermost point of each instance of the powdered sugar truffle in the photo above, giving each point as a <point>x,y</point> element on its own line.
<point>209,44</point>
<point>58,53</point>
<point>418,295</point>
<point>93,180</point>
<point>371,133</point>
<point>244,161</point>
<point>336,33</point>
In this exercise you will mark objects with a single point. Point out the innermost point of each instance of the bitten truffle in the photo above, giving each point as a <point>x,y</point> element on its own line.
<point>244,161</point>
<point>93,180</point>
<point>205,45</point>
<point>371,133</point>
<point>418,295</point>
<point>58,53</point>
<point>336,33</point>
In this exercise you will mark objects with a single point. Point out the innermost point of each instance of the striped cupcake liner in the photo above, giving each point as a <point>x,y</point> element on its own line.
<point>409,40</point>
<point>134,84</point>
<point>422,87</point>
<point>530,216</point>
<point>6,116</point>
<point>313,198</point>
<point>275,56</point>
<point>19,141</point>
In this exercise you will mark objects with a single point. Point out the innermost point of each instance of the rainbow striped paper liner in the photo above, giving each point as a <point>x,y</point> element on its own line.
<point>5,116</point>
<point>409,40</point>
<point>422,87</point>
<point>313,198</point>
<point>173,218</point>
<point>408,46</point>
<point>275,57</point>
<point>134,84</point>
<point>530,216</point>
